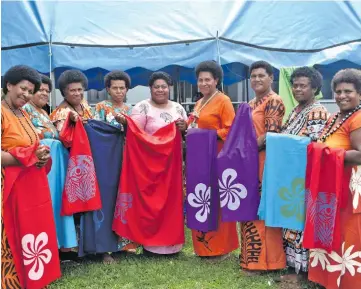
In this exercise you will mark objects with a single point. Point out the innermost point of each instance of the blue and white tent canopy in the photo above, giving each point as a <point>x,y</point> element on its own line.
<point>144,36</point>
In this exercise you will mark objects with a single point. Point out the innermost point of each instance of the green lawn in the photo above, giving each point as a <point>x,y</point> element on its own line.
<point>182,271</point>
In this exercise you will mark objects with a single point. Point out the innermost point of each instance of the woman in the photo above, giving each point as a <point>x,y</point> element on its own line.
<point>20,83</point>
<point>306,119</point>
<point>153,114</point>
<point>49,135</point>
<point>261,247</point>
<point>214,111</point>
<point>72,84</point>
<point>342,268</point>
<point>38,115</point>
<point>117,84</point>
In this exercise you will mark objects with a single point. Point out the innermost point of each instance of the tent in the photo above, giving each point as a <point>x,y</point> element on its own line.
<point>143,36</point>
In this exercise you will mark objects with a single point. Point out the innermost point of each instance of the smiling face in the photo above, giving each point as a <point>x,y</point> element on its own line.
<point>117,90</point>
<point>302,90</point>
<point>19,94</point>
<point>41,98</point>
<point>346,96</point>
<point>160,91</point>
<point>74,93</point>
<point>206,83</point>
<point>261,81</point>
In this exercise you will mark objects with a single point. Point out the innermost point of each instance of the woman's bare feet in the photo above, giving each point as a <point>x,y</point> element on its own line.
<point>108,258</point>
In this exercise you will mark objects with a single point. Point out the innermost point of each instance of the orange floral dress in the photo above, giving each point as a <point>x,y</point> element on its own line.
<point>261,246</point>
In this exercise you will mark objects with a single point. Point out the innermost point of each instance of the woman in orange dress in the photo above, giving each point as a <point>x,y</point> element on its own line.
<point>261,246</point>
<point>20,83</point>
<point>342,268</point>
<point>72,84</point>
<point>214,111</point>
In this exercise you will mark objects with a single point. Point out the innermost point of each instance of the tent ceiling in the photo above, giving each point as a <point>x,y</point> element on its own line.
<point>157,34</point>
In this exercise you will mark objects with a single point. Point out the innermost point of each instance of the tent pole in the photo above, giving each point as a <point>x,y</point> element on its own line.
<point>219,57</point>
<point>51,75</point>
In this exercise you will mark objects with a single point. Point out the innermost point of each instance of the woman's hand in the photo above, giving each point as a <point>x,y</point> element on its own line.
<point>120,118</point>
<point>73,116</point>
<point>181,125</point>
<point>261,142</point>
<point>43,154</point>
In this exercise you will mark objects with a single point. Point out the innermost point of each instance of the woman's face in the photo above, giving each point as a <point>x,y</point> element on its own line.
<point>41,98</point>
<point>74,93</point>
<point>261,81</point>
<point>117,90</point>
<point>19,94</point>
<point>302,90</point>
<point>160,91</point>
<point>206,83</point>
<point>346,96</point>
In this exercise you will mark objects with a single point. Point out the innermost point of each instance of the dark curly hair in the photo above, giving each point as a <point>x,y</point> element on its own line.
<point>349,75</point>
<point>212,67</point>
<point>46,80</point>
<point>261,64</point>
<point>71,76</point>
<point>19,73</point>
<point>117,75</point>
<point>160,75</point>
<point>312,74</point>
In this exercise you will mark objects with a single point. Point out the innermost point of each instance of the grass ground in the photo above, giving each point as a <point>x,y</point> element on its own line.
<point>161,272</point>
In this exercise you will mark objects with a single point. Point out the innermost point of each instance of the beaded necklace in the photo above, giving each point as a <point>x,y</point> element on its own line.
<point>329,131</point>
<point>13,111</point>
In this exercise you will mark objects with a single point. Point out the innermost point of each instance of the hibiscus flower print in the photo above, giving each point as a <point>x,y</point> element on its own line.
<point>110,117</point>
<point>231,192</point>
<point>201,198</point>
<point>319,256</point>
<point>35,254</point>
<point>294,199</point>
<point>345,263</point>
<point>355,187</point>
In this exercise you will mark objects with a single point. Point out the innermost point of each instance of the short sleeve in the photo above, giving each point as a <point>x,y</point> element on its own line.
<point>59,116</point>
<point>355,121</point>
<point>274,112</point>
<point>139,114</point>
<point>316,121</point>
<point>227,115</point>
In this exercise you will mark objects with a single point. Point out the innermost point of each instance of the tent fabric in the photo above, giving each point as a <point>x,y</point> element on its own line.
<point>152,35</point>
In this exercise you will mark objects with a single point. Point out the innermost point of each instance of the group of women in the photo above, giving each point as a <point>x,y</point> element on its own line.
<point>24,122</point>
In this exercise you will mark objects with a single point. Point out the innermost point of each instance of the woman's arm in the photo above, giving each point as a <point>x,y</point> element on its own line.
<point>227,115</point>
<point>139,114</point>
<point>8,160</point>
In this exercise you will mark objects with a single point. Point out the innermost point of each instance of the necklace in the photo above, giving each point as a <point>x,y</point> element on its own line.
<point>290,118</point>
<point>196,113</point>
<point>329,131</point>
<point>29,124</point>
<point>82,108</point>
